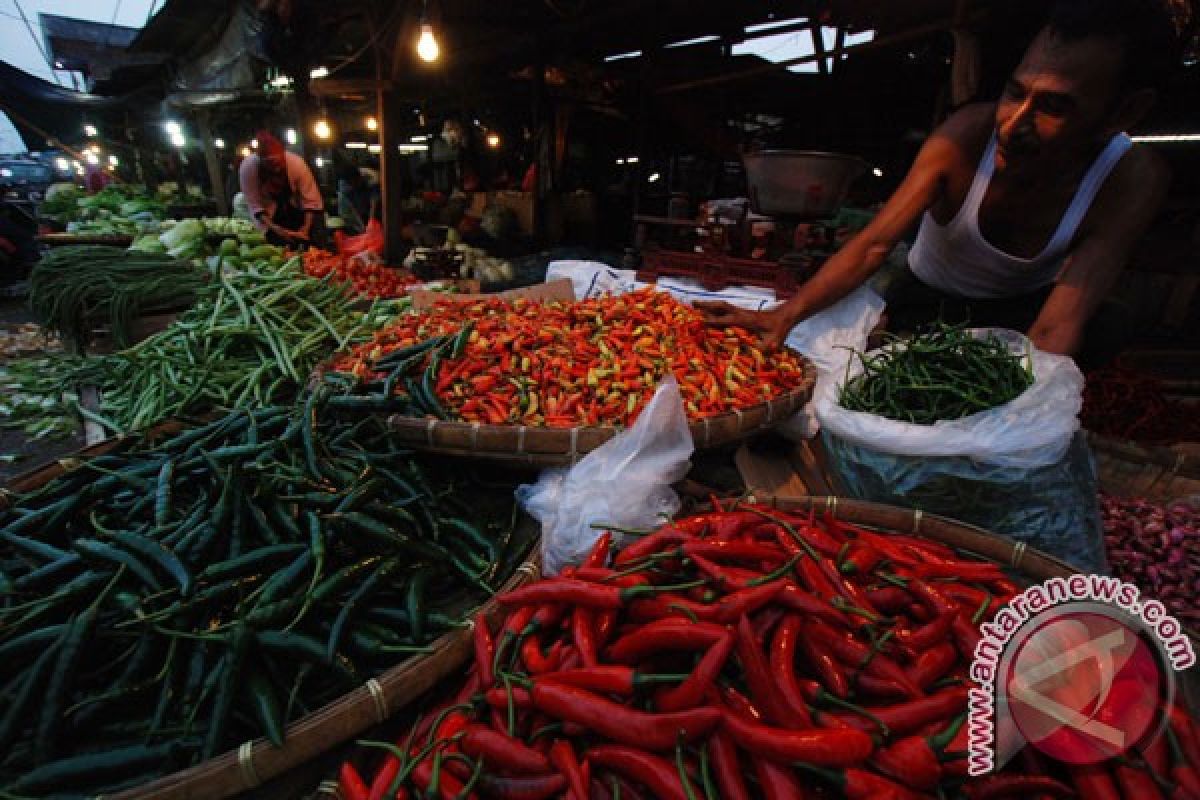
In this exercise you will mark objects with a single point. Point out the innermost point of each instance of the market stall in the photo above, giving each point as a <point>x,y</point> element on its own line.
<point>437,507</point>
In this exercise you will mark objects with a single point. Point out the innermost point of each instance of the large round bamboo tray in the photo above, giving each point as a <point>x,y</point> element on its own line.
<point>255,762</point>
<point>1027,563</point>
<point>541,446</point>
<point>1160,474</point>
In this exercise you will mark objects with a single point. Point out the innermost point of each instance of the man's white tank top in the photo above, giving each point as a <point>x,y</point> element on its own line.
<point>955,258</point>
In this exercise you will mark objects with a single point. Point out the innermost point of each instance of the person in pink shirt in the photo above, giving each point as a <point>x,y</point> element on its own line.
<point>282,194</point>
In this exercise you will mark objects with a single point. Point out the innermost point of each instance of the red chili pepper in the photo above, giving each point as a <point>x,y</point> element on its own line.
<point>692,691</point>
<point>448,786</point>
<point>1157,754</point>
<point>829,748</point>
<point>902,718</point>
<point>1186,734</point>
<point>1182,772</point>
<point>1135,783</point>
<point>609,679</point>
<point>793,597</point>
<point>814,579</point>
<point>860,559</point>
<point>933,664</point>
<point>999,787</point>
<point>497,697</point>
<point>927,635</point>
<point>854,653</point>
<point>859,784</point>
<point>742,602</point>
<point>929,597</point>
<point>351,784</point>
<point>584,635</point>
<point>562,756</point>
<point>661,636</point>
<point>966,635</point>
<point>735,701</point>
<point>485,649</point>
<point>915,761</point>
<point>727,578</point>
<point>728,772</point>
<point>504,752</point>
<point>783,669</point>
<point>656,773</point>
<point>660,540</point>
<point>831,673</point>
<point>777,782</point>
<point>598,555</point>
<point>1094,782</point>
<point>742,552</point>
<point>619,722</point>
<point>889,599</point>
<point>759,681</point>
<point>541,787</point>
<point>537,663</point>
<point>959,570</point>
<point>382,781</point>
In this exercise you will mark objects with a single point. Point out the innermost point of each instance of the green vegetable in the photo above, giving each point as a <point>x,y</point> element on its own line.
<point>944,373</point>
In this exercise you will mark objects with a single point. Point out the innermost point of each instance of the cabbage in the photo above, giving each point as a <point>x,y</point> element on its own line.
<point>148,243</point>
<point>183,233</point>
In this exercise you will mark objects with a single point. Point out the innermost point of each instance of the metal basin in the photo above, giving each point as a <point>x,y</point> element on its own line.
<point>799,183</point>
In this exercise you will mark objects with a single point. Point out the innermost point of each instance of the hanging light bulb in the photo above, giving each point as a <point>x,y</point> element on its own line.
<point>427,45</point>
<point>372,124</point>
<point>321,128</point>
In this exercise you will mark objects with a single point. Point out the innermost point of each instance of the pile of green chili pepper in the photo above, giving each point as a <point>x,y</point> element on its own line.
<point>73,289</point>
<point>943,373</point>
<point>163,602</point>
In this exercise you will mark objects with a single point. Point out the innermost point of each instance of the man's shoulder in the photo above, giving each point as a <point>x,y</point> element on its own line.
<point>971,124</point>
<point>1141,174</point>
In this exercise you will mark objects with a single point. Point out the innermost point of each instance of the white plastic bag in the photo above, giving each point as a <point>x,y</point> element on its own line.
<point>625,482</point>
<point>1034,430</point>
<point>1022,470</point>
<point>829,339</point>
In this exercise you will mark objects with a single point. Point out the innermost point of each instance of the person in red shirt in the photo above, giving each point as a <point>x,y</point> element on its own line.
<point>282,194</point>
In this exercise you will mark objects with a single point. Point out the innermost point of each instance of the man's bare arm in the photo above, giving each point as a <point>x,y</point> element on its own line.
<point>1123,212</point>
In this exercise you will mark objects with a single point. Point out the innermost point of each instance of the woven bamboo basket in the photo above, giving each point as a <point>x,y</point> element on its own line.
<point>1160,474</point>
<point>1027,563</point>
<point>540,446</point>
<point>255,762</point>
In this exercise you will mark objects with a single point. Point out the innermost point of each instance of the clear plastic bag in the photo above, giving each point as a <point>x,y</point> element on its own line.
<point>1052,507</point>
<point>1022,469</point>
<point>625,482</point>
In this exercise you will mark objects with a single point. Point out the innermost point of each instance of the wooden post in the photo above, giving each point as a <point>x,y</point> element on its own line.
<point>215,178</point>
<point>388,118</point>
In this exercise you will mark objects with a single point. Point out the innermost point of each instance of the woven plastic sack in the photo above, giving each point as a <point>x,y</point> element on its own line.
<point>1023,469</point>
<point>626,482</point>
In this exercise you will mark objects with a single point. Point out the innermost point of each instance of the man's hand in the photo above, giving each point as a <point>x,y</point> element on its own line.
<point>772,325</point>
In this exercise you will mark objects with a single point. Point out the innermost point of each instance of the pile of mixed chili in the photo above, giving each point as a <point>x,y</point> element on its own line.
<point>1126,404</point>
<point>363,277</point>
<point>746,652</point>
<point>594,362</point>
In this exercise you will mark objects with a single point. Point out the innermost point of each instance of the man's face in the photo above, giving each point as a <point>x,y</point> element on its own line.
<point>1058,103</point>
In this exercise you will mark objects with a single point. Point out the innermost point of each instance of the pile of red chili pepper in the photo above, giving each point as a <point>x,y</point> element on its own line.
<point>366,279</point>
<point>593,362</point>
<point>742,653</point>
<point>1126,404</point>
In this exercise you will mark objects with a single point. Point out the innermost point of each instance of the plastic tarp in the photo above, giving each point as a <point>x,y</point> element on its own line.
<point>54,109</point>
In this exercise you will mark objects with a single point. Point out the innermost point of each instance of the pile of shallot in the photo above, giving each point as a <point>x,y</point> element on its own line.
<point>1157,548</point>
